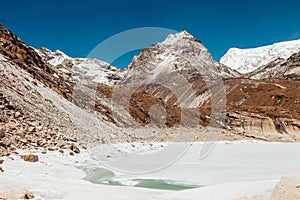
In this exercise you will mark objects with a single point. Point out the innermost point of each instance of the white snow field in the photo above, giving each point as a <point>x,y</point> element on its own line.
<point>232,170</point>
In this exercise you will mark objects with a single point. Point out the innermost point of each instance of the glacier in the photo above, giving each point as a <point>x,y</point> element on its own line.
<point>248,60</point>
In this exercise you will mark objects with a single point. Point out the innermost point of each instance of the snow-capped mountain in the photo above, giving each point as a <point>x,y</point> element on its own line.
<point>248,60</point>
<point>185,61</point>
<point>168,83</point>
<point>179,52</point>
<point>82,68</point>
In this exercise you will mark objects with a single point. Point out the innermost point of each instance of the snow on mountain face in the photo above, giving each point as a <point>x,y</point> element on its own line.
<point>180,52</point>
<point>168,54</point>
<point>248,60</point>
<point>82,68</point>
<point>179,63</point>
<point>288,69</point>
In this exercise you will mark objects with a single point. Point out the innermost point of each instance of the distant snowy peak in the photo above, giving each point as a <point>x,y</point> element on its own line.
<point>82,68</point>
<point>248,60</point>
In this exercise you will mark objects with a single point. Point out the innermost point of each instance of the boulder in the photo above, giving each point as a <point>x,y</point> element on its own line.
<point>28,195</point>
<point>32,129</point>
<point>74,148</point>
<point>2,132</point>
<point>3,151</point>
<point>287,188</point>
<point>30,158</point>
<point>13,193</point>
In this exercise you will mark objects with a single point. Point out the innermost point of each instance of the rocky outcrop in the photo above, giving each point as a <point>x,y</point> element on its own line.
<point>266,110</point>
<point>288,188</point>
<point>26,58</point>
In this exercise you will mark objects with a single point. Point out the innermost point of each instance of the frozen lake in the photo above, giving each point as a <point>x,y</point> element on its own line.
<point>228,162</point>
<point>231,170</point>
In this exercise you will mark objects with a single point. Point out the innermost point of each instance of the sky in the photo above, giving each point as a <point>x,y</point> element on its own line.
<point>77,27</point>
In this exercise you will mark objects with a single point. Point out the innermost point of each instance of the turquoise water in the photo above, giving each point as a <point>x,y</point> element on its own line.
<point>163,185</point>
<point>106,177</point>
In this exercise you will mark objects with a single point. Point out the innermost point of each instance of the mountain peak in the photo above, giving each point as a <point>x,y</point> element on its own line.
<point>175,48</point>
<point>248,60</point>
<point>182,36</point>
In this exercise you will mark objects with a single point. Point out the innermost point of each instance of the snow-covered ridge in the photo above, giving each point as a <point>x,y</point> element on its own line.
<point>248,60</point>
<point>176,51</point>
<point>90,69</point>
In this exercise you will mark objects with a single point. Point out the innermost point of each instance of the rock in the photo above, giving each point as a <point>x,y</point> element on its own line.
<point>3,144</point>
<point>32,129</point>
<point>33,123</point>
<point>61,143</point>
<point>14,193</point>
<point>30,158</point>
<point>74,148</point>
<point>8,143</point>
<point>71,153</point>
<point>17,114</point>
<point>28,195</point>
<point>1,161</point>
<point>3,151</point>
<point>287,188</point>
<point>61,151</point>
<point>51,149</point>
<point>2,132</point>
<point>24,141</point>
<point>1,170</point>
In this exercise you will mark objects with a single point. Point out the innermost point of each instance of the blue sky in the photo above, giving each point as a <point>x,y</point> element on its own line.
<point>76,27</point>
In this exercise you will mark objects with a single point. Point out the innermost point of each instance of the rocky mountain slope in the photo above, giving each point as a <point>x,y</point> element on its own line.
<point>174,74</point>
<point>267,110</point>
<point>32,116</point>
<point>248,60</point>
<point>171,84</point>
<point>281,68</point>
<point>37,106</point>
